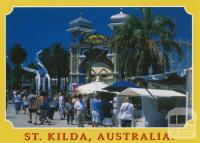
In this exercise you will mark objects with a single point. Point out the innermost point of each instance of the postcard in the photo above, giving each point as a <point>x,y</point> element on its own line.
<point>99,71</point>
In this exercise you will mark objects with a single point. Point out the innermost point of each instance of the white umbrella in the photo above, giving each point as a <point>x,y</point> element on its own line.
<point>91,87</point>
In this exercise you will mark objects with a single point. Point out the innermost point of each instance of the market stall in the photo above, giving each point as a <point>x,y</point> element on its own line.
<point>153,110</point>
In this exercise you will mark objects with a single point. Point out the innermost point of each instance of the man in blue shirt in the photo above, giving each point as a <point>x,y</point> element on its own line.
<point>96,103</point>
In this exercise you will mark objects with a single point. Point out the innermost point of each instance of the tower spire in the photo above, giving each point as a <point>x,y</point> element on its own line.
<point>121,10</point>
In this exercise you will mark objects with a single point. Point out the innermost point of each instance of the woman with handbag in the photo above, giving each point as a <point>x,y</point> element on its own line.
<point>126,113</point>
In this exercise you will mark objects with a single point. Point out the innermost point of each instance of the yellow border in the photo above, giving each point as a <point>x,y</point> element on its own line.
<point>10,134</point>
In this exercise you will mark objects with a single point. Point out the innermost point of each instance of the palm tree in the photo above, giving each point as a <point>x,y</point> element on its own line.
<point>46,58</point>
<point>17,55</point>
<point>144,42</point>
<point>56,60</point>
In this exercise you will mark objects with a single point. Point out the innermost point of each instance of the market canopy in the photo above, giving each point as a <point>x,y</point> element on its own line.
<point>91,87</point>
<point>120,86</point>
<point>171,78</point>
<point>152,111</point>
<point>154,92</point>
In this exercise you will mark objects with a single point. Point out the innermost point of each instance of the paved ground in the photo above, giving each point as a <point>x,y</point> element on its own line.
<point>20,120</point>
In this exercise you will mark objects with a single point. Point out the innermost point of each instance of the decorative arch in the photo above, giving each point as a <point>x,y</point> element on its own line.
<point>103,74</point>
<point>92,70</point>
<point>106,72</point>
<point>93,75</point>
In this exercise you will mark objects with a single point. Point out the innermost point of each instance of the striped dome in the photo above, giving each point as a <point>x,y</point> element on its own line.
<point>120,17</point>
<point>80,22</point>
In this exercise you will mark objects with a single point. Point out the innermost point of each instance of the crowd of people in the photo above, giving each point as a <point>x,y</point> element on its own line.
<point>102,113</point>
<point>73,109</point>
<point>40,106</point>
<point>43,107</point>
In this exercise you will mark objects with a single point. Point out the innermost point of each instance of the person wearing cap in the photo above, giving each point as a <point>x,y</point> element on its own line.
<point>79,107</point>
<point>126,113</point>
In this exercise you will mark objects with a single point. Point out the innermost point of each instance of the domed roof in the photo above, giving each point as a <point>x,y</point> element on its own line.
<point>119,17</point>
<point>81,22</point>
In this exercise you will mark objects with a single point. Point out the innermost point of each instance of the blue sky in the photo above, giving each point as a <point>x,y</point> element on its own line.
<point>38,28</point>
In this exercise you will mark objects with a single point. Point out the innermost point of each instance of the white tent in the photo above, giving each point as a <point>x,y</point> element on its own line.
<point>150,115</point>
<point>154,92</point>
<point>91,87</point>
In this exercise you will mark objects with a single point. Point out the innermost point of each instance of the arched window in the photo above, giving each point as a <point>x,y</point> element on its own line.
<point>103,74</point>
<point>93,75</point>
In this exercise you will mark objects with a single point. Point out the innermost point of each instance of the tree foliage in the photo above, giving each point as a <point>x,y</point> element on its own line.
<point>144,42</point>
<point>56,60</point>
<point>17,55</point>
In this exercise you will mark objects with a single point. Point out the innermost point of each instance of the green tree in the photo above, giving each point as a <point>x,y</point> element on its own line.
<point>46,58</point>
<point>144,42</point>
<point>56,60</point>
<point>17,55</point>
<point>60,61</point>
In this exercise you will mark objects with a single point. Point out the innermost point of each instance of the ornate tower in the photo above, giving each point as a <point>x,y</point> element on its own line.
<point>116,21</point>
<point>79,28</point>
